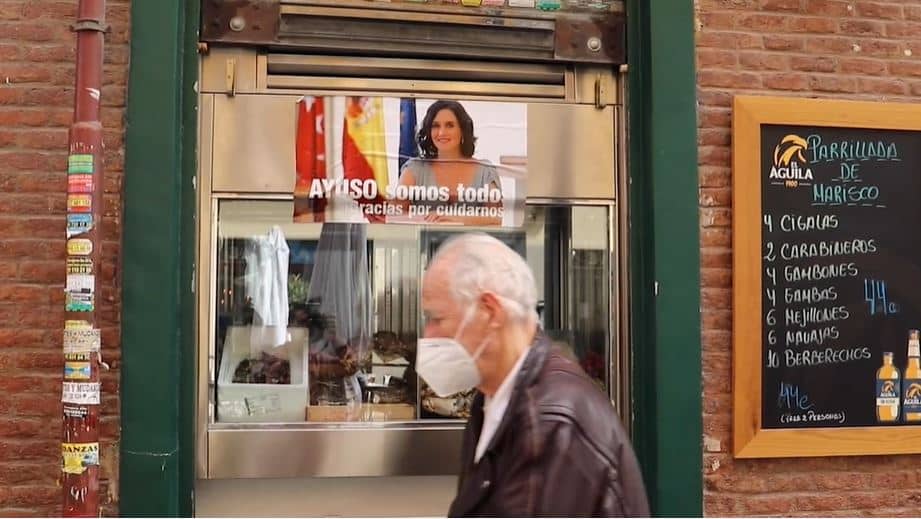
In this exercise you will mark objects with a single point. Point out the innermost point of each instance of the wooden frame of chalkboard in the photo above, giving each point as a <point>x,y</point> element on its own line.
<point>831,183</point>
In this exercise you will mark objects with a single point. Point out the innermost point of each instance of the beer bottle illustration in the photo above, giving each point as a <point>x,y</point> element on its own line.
<point>911,382</point>
<point>887,391</point>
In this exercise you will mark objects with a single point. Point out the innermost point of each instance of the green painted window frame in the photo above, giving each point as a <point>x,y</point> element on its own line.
<point>665,254</point>
<point>158,343</point>
<point>158,255</point>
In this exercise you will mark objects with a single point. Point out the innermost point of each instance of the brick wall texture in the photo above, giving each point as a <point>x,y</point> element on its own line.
<point>843,49</point>
<point>37,55</point>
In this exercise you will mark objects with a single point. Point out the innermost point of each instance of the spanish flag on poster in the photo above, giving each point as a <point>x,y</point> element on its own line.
<point>364,145</point>
<point>310,158</point>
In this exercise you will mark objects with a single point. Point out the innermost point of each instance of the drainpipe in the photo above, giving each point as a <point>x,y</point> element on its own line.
<point>81,386</point>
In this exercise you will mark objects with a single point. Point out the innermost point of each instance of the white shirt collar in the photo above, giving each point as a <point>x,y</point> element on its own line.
<point>494,407</point>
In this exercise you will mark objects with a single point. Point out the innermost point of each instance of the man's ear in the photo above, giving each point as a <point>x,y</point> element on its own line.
<point>496,313</point>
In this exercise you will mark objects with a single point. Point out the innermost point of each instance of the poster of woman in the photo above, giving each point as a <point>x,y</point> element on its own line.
<point>463,163</point>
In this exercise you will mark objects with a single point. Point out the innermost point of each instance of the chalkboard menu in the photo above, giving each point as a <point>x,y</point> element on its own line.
<point>841,238</point>
<point>827,270</point>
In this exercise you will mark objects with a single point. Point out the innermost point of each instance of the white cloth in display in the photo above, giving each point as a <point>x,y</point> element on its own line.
<point>267,287</point>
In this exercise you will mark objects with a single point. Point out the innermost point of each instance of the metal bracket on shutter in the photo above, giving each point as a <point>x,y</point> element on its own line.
<point>240,21</point>
<point>597,39</point>
<point>600,93</point>
<point>231,76</point>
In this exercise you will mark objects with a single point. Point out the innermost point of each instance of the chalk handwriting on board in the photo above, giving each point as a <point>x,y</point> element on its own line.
<point>836,195</point>
<point>804,317</point>
<point>833,201</point>
<point>825,356</point>
<point>819,272</point>
<point>877,301</point>
<point>790,397</point>
<point>807,223</point>
<point>850,150</point>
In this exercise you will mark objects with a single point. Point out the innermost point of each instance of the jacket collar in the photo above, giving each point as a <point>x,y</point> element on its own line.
<point>534,361</point>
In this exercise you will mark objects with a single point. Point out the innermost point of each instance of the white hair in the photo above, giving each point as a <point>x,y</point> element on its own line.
<point>481,263</point>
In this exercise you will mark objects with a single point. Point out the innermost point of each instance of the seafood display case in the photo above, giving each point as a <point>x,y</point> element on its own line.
<point>333,382</point>
<point>313,372</point>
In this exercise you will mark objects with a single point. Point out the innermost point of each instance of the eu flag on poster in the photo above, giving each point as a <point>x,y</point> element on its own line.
<point>408,147</point>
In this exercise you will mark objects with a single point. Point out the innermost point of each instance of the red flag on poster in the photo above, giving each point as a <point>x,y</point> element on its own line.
<point>310,158</point>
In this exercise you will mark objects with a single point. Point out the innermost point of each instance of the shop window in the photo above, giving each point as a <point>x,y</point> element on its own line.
<point>319,322</point>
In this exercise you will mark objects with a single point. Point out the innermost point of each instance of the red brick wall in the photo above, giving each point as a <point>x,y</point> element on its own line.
<point>846,49</point>
<point>37,53</point>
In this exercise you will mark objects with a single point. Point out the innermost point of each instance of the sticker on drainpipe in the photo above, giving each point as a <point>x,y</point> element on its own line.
<point>80,203</point>
<point>80,393</point>
<point>77,324</point>
<point>80,183</point>
<point>76,457</point>
<point>80,163</point>
<point>77,371</point>
<point>79,266</point>
<point>81,340</point>
<point>79,247</point>
<point>79,296</point>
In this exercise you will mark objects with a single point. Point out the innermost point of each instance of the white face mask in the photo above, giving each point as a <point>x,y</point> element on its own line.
<point>446,365</point>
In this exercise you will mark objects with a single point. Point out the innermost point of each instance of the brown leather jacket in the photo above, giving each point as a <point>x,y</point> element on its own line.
<point>560,450</point>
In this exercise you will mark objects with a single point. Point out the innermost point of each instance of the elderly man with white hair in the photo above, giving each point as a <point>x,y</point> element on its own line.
<point>542,439</point>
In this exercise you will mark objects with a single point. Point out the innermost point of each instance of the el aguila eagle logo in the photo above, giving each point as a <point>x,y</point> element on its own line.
<point>790,168</point>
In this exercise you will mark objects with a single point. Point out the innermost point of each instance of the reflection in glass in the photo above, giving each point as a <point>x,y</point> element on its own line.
<point>347,347</point>
<point>339,348</point>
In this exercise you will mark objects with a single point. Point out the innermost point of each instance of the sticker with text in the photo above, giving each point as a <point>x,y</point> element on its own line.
<point>86,393</point>
<point>80,163</point>
<point>80,183</point>
<point>77,340</point>
<point>75,411</point>
<point>79,247</point>
<point>83,356</point>
<point>79,223</point>
<point>79,294</point>
<point>79,203</point>
<point>79,266</point>
<point>77,457</point>
<point>79,302</point>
